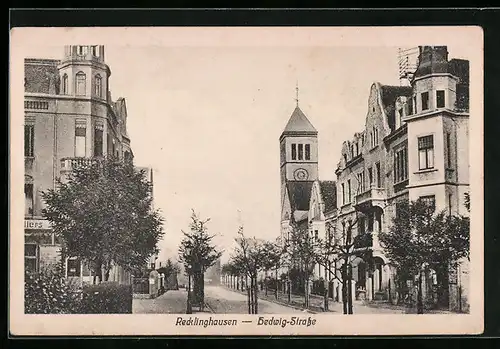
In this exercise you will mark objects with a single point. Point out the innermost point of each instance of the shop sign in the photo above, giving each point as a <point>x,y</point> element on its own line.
<point>36,224</point>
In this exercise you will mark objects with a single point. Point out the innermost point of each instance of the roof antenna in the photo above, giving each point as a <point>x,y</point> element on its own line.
<point>297,93</point>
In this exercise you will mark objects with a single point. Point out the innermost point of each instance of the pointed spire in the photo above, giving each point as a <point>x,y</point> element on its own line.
<point>297,93</point>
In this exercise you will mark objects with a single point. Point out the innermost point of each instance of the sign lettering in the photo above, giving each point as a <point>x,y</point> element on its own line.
<point>36,224</point>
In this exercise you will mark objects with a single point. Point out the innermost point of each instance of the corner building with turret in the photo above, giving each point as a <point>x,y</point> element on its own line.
<point>69,118</point>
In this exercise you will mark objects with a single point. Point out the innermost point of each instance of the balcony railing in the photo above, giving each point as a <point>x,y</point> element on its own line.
<point>372,194</point>
<point>69,164</point>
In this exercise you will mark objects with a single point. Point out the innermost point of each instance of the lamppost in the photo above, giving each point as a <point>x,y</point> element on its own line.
<point>189,308</point>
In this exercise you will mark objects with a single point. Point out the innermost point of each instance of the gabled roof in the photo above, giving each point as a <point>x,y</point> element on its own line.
<point>299,124</point>
<point>328,194</point>
<point>299,194</point>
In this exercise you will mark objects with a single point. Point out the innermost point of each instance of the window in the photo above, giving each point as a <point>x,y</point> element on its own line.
<point>29,200</point>
<point>400,165</point>
<point>361,182</point>
<point>113,150</point>
<point>31,257</point>
<point>308,151</point>
<point>301,151</point>
<point>414,104</point>
<point>80,139</point>
<point>429,200</point>
<point>80,50</point>
<point>98,139</point>
<point>349,190</point>
<point>81,84</point>
<point>370,176</point>
<point>370,222</point>
<point>98,86</point>
<point>379,178</point>
<point>29,140</point>
<point>294,151</point>
<point>426,152</point>
<point>94,50</point>
<point>440,100</point>
<point>448,149</point>
<point>65,84</point>
<point>343,194</point>
<point>361,225</point>
<point>316,235</point>
<point>425,100</point>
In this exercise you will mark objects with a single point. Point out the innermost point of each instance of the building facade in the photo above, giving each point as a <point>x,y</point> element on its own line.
<point>70,118</point>
<point>414,146</point>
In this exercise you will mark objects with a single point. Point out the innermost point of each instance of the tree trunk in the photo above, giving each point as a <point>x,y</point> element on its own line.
<point>344,289</point>
<point>349,290</point>
<point>326,291</point>
<point>249,300</point>
<point>265,283</point>
<point>276,285</point>
<point>256,296</point>
<point>420,305</point>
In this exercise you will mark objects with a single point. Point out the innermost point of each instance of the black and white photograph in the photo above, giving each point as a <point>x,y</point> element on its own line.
<point>247,180</point>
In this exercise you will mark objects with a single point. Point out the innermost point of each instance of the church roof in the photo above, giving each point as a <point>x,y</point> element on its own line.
<point>299,194</point>
<point>299,124</point>
<point>329,194</point>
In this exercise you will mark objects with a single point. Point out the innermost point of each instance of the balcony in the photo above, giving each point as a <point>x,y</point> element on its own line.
<point>370,198</point>
<point>69,164</point>
<point>367,242</point>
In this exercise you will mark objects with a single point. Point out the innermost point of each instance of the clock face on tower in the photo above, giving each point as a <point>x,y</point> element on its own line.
<point>301,174</point>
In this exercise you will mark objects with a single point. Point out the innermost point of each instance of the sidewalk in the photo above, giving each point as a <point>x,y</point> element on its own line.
<point>317,303</point>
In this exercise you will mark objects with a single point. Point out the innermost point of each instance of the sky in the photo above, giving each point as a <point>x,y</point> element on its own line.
<point>208,120</point>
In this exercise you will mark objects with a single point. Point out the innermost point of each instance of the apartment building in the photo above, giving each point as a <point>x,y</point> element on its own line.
<point>414,146</point>
<point>70,118</point>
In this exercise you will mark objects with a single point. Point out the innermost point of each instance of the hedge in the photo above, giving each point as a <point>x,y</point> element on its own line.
<point>107,298</point>
<point>48,292</point>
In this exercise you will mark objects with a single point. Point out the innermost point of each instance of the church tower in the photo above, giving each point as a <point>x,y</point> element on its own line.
<point>298,166</point>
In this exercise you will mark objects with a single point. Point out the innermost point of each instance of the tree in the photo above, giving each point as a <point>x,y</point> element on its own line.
<point>104,214</point>
<point>272,257</point>
<point>302,251</point>
<point>250,257</point>
<point>197,253</point>
<point>422,239</point>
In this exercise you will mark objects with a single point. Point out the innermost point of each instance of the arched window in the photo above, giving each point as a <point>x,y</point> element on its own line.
<point>80,84</point>
<point>98,86</point>
<point>65,84</point>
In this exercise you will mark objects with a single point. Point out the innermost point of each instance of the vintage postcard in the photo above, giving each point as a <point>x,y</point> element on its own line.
<point>246,181</point>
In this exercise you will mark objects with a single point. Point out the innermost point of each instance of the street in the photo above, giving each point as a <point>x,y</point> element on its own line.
<point>171,302</point>
<point>224,301</point>
<point>221,300</point>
